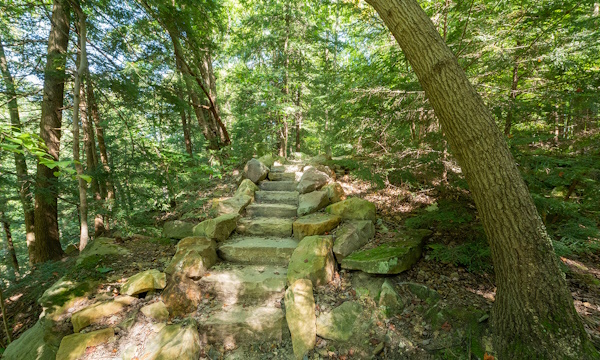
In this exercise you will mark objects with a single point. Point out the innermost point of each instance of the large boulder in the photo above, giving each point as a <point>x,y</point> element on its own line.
<point>314,224</point>
<point>300,316</point>
<point>143,282</point>
<point>177,229</point>
<point>102,247</point>
<point>311,202</point>
<point>247,187</point>
<point>312,260</point>
<point>40,342</point>
<point>335,192</point>
<point>72,347</point>
<point>194,256</point>
<point>234,205</point>
<point>340,323</point>
<point>180,341</point>
<point>353,209</point>
<point>352,236</point>
<point>389,258</point>
<point>255,171</point>
<point>182,295</point>
<point>94,313</point>
<point>218,228</point>
<point>312,180</point>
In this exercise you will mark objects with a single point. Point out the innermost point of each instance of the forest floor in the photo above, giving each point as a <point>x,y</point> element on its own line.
<point>408,335</point>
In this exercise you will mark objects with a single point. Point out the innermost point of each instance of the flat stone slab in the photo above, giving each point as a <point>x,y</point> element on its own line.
<point>73,346</point>
<point>241,325</point>
<point>234,205</point>
<point>390,258</point>
<point>144,281</point>
<point>265,227</point>
<point>272,210</point>
<point>278,185</point>
<point>282,176</point>
<point>315,224</point>
<point>94,313</point>
<point>277,197</point>
<point>258,250</point>
<point>233,284</point>
<point>287,168</point>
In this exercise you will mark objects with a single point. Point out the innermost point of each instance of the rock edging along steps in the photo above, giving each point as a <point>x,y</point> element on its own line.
<point>233,290</point>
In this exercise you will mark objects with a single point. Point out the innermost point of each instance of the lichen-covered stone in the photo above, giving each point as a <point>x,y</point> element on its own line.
<point>389,258</point>
<point>300,316</point>
<point>268,160</point>
<point>255,171</point>
<point>72,347</point>
<point>40,342</point>
<point>312,180</point>
<point>101,247</point>
<point>247,187</point>
<point>335,192</point>
<point>340,323</point>
<point>351,236</point>
<point>353,209</point>
<point>218,228</point>
<point>194,256</point>
<point>143,282</point>
<point>311,202</point>
<point>156,311</point>
<point>314,224</point>
<point>177,229</point>
<point>234,205</point>
<point>389,299</point>
<point>312,260</point>
<point>94,313</point>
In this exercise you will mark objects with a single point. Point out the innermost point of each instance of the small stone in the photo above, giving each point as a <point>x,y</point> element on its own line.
<point>340,323</point>
<point>144,282</point>
<point>157,311</point>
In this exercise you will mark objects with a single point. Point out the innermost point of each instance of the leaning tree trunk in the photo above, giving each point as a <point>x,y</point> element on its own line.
<point>82,185</point>
<point>47,238</point>
<point>533,315</point>
<point>10,248</point>
<point>24,182</point>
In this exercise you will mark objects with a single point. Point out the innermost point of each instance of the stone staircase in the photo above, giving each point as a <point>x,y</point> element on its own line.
<point>250,282</point>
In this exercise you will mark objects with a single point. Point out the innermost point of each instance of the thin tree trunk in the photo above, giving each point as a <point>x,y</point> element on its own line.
<point>298,120</point>
<point>82,185</point>
<point>533,315</point>
<point>10,248</point>
<point>513,95</point>
<point>47,237</point>
<point>4,319</point>
<point>186,133</point>
<point>24,182</point>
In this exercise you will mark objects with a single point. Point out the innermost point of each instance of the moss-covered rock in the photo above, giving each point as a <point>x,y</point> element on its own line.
<point>218,228</point>
<point>312,260</point>
<point>351,236</point>
<point>311,180</point>
<point>101,247</point>
<point>234,205</point>
<point>353,209</point>
<point>94,313</point>
<point>143,282</point>
<point>312,202</point>
<point>340,323</point>
<point>247,187</point>
<point>40,342</point>
<point>300,316</point>
<point>314,224</point>
<point>268,160</point>
<point>156,311</point>
<point>389,258</point>
<point>389,300</point>
<point>194,256</point>
<point>62,294</point>
<point>335,192</point>
<point>73,346</point>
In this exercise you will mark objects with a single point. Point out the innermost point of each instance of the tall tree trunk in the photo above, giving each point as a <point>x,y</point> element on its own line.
<point>107,188</point>
<point>298,120</point>
<point>208,75</point>
<point>82,185</point>
<point>186,133</point>
<point>10,248</point>
<point>4,319</point>
<point>47,238</point>
<point>533,315</point>
<point>24,182</point>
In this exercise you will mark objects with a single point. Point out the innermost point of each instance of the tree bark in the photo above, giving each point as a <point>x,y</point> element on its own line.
<point>47,238</point>
<point>24,182</point>
<point>82,185</point>
<point>4,319</point>
<point>533,315</point>
<point>10,248</point>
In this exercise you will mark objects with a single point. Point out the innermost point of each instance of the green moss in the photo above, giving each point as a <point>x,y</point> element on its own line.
<point>384,251</point>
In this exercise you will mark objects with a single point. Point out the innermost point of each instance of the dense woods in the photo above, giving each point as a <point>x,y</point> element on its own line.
<point>475,120</point>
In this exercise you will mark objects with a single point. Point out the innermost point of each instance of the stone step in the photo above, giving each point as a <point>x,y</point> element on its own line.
<point>282,176</point>
<point>278,185</point>
<point>234,284</point>
<point>265,227</point>
<point>258,250</point>
<point>272,210</point>
<point>277,197</point>
<point>287,168</point>
<point>237,325</point>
